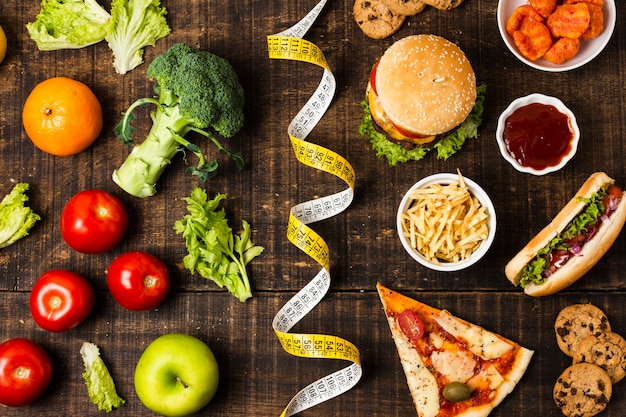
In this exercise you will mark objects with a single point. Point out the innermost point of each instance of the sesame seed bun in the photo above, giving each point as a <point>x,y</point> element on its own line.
<point>425,84</point>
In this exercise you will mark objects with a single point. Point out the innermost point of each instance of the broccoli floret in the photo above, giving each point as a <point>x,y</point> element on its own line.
<point>196,90</point>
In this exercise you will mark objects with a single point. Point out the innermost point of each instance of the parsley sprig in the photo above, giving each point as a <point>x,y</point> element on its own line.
<point>214,251</point>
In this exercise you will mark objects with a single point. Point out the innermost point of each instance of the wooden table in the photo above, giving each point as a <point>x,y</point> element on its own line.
<point>258,378</point>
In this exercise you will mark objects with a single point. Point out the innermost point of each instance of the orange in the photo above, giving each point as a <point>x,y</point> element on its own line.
<point>62,116</point>
<point>3,44</point>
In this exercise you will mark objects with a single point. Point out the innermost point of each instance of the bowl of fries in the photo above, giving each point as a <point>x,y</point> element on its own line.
<point>446,222</point>
<point>559,36</point>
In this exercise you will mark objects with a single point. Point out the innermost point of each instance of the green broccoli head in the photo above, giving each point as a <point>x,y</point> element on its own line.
<point>197,90</point>
<point>203,85</point>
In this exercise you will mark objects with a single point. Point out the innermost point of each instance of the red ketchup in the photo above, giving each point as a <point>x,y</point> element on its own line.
<point>538,135</point>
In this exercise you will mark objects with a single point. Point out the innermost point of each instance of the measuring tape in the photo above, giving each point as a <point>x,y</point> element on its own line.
<point>290,45</point>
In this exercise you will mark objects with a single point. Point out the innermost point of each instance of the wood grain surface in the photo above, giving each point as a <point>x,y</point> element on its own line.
<point>257,377</point>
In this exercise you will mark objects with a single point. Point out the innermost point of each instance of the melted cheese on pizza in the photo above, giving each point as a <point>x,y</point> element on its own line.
<point>454,364</point>
<point>481,342</point>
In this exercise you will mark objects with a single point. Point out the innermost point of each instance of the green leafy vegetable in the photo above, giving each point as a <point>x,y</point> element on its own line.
<point>99,382</point>
<point>69,24</point>
<point>454,141</point>
<point>533,271</point>
<point>16,219</point>
<point>446,147</point>
<point>135,25</point>
<point>131,26</point>
<point>196,90</point>
<point>214,251</point>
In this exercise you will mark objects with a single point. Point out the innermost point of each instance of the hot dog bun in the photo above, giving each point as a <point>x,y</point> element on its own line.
<point>591,252</point>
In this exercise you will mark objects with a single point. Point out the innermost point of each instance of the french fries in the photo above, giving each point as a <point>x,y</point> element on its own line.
<point>445,223</point>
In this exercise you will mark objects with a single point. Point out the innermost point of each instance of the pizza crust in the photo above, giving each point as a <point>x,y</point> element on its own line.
<point>422,383</point>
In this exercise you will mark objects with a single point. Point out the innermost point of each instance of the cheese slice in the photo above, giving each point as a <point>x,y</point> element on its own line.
<point>381,118</point>
<point>481,342</point>
<point>454,364</point>
<point>488,377</point>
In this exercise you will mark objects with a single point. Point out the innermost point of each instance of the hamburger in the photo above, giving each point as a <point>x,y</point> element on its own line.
<point>421,95</point>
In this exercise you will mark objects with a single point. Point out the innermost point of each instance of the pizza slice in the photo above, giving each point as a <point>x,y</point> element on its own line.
<point>453,368</point>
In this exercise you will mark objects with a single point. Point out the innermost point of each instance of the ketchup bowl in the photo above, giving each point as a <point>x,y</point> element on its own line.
<point>537,134</point>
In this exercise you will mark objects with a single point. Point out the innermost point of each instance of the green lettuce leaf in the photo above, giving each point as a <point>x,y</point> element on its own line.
<point>453,142</point>
<point>128,29</point>
<point>214,251</point>
<point>100,385</point>
<point>16,219</point>
<point>136,24</point>
<point>394,152</point>
<point>446,147</point>
<point>69,24</point>
<point>533,271</point>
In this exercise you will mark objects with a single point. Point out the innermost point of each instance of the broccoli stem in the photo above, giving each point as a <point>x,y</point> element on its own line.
<point>147,161</point>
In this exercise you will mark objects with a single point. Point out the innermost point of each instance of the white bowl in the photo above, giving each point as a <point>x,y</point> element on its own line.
<point>588,49</point>
<point>475,190</point>
<point>523,101</point>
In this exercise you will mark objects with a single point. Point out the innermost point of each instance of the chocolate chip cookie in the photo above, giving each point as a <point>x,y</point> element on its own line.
<point>582,390</point>
<point>376,19</point>
<point>607,350</point>
<point>443,4</point>
<point>406,7</point>
<point>576,322</point>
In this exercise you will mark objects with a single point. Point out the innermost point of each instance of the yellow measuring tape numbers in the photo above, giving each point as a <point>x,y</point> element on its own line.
<point>289,45</point>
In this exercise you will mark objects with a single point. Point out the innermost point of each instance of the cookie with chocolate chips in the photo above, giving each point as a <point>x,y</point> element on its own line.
<point>582,390</point>
<point>607,350</point>
<point>576,322</point>
<point>376,19</point>
<point>406,7</point>
<point>443,4</point>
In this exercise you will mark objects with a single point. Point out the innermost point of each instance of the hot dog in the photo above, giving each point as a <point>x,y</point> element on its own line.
<point>574,241</point>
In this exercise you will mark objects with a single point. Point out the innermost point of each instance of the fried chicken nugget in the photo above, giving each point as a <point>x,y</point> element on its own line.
<point>543,7</point>
<point>562,50</point>
<point>569,20</point>
<point>533,39</point>
<point>596,2</point>
<point>519,15</point>
<point>596,22</point>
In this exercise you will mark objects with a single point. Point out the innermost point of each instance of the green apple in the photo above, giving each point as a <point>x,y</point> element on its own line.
<point>176,375</point>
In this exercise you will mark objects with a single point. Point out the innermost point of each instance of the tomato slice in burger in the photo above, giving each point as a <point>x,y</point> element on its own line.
<point>373,77</point>
<point>409,134</point>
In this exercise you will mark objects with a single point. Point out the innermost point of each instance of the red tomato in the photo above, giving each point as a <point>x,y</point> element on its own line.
<point>373,77</point>
<point>408,134</point>
<point>25,372</point>
<point>411,325</point>
<point>93,221</point>
<point>138,280</point>
<point>60,300</point>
